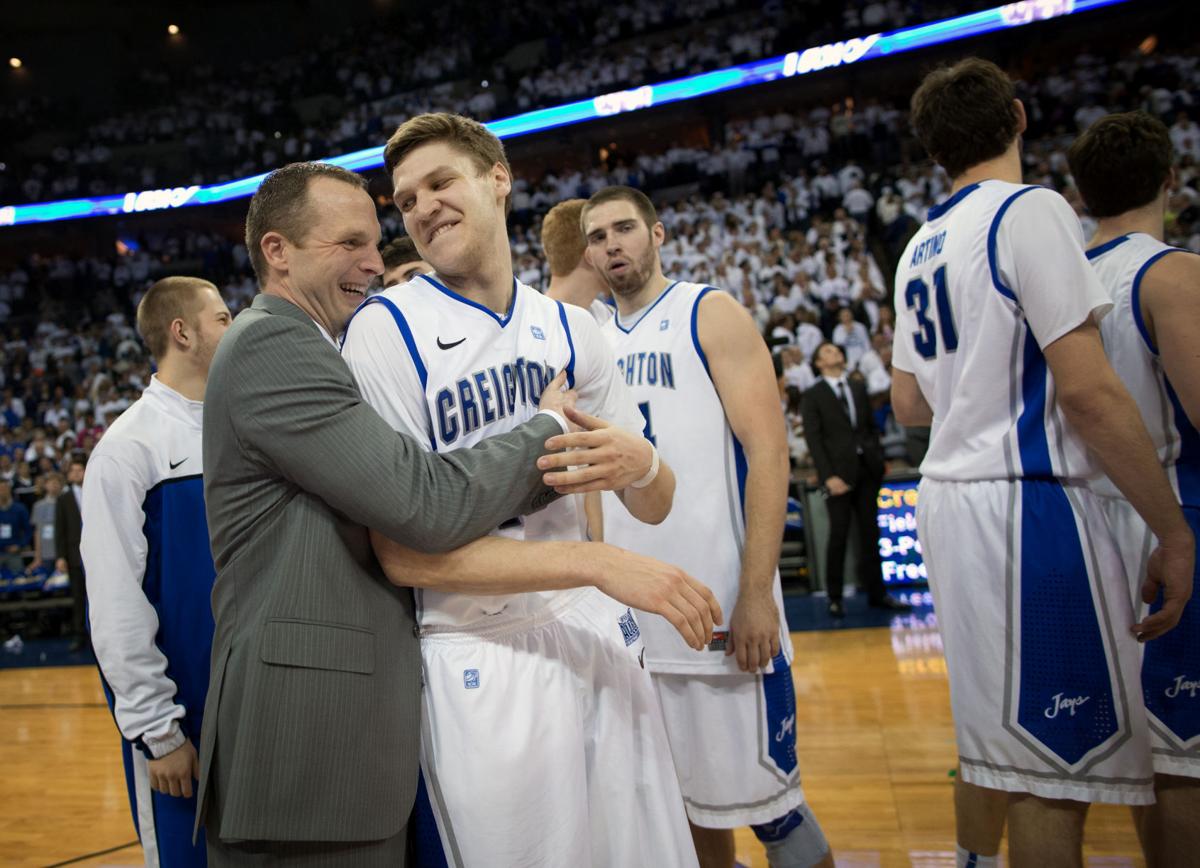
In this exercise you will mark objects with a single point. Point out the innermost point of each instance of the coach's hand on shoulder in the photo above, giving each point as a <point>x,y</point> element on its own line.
<point>557,396</point>
<point>754,630</point>
<point>653,586</point>
<point>1169,570</point>
<point>172,775</point>
<point>607,458</point>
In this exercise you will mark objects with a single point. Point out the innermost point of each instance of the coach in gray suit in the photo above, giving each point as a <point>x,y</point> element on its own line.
<point>311,733</point>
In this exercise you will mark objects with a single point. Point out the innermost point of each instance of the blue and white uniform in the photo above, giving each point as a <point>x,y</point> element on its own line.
<point>150,575</point>
<point>543,743</point>
<point>1031,595</point>
<point>1171,663</point>
<point>732,734</point>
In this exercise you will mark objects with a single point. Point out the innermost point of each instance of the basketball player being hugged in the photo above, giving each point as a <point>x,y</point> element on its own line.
<point>543,744</point>
<point>998,345</point>
<point>1122,166</point>
<point>704,381</point>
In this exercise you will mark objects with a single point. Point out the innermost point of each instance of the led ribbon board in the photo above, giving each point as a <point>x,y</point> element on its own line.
<point>815,59</point>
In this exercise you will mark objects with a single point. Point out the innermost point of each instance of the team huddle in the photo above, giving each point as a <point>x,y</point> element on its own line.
<point>587,500</point>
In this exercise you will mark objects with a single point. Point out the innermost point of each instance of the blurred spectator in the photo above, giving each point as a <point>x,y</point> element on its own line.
<point>14,530</point>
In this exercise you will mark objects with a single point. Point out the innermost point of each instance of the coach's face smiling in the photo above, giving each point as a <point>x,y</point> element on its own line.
<point>452,210</point>
<point>329,269</point>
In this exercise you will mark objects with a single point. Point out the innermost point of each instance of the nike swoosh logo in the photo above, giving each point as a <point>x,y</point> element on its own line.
<point>177,463</point>
<point>442,346</point>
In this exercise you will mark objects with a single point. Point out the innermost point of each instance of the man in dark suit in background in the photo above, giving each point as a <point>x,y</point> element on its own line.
<point>844,443</point>
<point>68,526</point>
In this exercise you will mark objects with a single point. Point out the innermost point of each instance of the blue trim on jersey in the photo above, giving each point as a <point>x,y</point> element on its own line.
<point>645,313</point>
<point>779,699</point>
<point>1187,465</point>
<point>743,469</point>
<point>993,231</point>
<point>696,328</point>
<point>426,840</point>
<point>1171,665</point>
<point>406,333</point>
<point>1135,297</point>
<point>940,210</point>
<point>1100,250</point>
<point>1066,699</point>
<point>178,583</point>
<point>410,342</point>
<point>502,321</point>
<point>562,315</point>
<point>1031,424</point>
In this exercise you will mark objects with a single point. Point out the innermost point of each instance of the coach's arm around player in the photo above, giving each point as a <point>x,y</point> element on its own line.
<point>616,460</point>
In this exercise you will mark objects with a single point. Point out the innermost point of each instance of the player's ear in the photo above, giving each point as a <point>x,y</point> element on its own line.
<point>1022,120</point>
<point>502,180</point>
<point>659,234</point>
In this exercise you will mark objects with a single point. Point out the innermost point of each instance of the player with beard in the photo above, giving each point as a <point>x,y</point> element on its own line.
<point>542,740</point>
<point>704,382</point>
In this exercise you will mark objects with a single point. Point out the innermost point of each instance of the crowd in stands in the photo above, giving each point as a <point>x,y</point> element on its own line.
<point>219,121</point>
<point>800,215</point>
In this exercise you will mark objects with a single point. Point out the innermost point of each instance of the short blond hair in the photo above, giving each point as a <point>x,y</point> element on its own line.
<point>165,301</point>
<point>562,237</point>
<point>466,134</point>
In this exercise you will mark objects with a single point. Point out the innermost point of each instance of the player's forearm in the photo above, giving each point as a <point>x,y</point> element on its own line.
<point>766,513</point>
<point>651,504</point>
<point>491,565</point>
<point>1109,422</point>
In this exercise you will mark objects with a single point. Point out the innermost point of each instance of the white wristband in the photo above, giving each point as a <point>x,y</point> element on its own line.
<point>651,474</point>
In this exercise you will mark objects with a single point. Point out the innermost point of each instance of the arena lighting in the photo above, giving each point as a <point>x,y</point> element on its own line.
<point>15,62</point>
<point>173,29</point>
<point>793,64</point>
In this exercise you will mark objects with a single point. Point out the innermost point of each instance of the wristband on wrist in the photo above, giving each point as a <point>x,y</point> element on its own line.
<point>651,473</point>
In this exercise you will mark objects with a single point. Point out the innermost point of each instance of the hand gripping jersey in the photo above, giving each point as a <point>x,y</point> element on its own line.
<point>1120,265</point>
<point>995,274</point>
<point>469,374</point>
<point>150,576</point>
<point>659,357</point>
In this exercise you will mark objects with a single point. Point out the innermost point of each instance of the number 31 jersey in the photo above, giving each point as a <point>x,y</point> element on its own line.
<point>995,275</point>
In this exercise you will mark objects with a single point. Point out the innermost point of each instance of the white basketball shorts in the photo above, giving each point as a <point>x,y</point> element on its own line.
<point>1170,663</point>
<point>1034,609</point>
<point>543,743</point>
<point>733,739</point>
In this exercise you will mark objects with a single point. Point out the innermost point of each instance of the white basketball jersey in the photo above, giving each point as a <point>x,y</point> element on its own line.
<point>658,355</point>
<point>1121,264</point>
<point>996,273</point>
<point>451,372</point>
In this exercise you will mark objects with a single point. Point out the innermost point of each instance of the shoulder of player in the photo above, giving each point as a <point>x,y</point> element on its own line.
<point>129,450</point>
<point>721,320</point>
<point>1172,277</point>
<point>1028,202</point>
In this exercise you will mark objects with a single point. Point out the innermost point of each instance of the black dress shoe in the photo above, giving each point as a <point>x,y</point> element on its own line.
<point>889,603</point>
<point>836,609</point>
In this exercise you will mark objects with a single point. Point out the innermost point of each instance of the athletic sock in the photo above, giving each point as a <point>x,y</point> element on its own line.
<point>967,859</point>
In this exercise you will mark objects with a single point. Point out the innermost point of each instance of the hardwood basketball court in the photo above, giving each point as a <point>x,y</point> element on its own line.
<point>873,727</point>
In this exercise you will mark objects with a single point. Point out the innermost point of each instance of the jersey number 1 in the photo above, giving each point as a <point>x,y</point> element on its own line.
<point>916,296</point>
<point>647,431</point>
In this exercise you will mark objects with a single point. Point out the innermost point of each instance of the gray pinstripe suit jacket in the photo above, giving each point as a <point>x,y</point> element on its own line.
<point>311,731</point>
